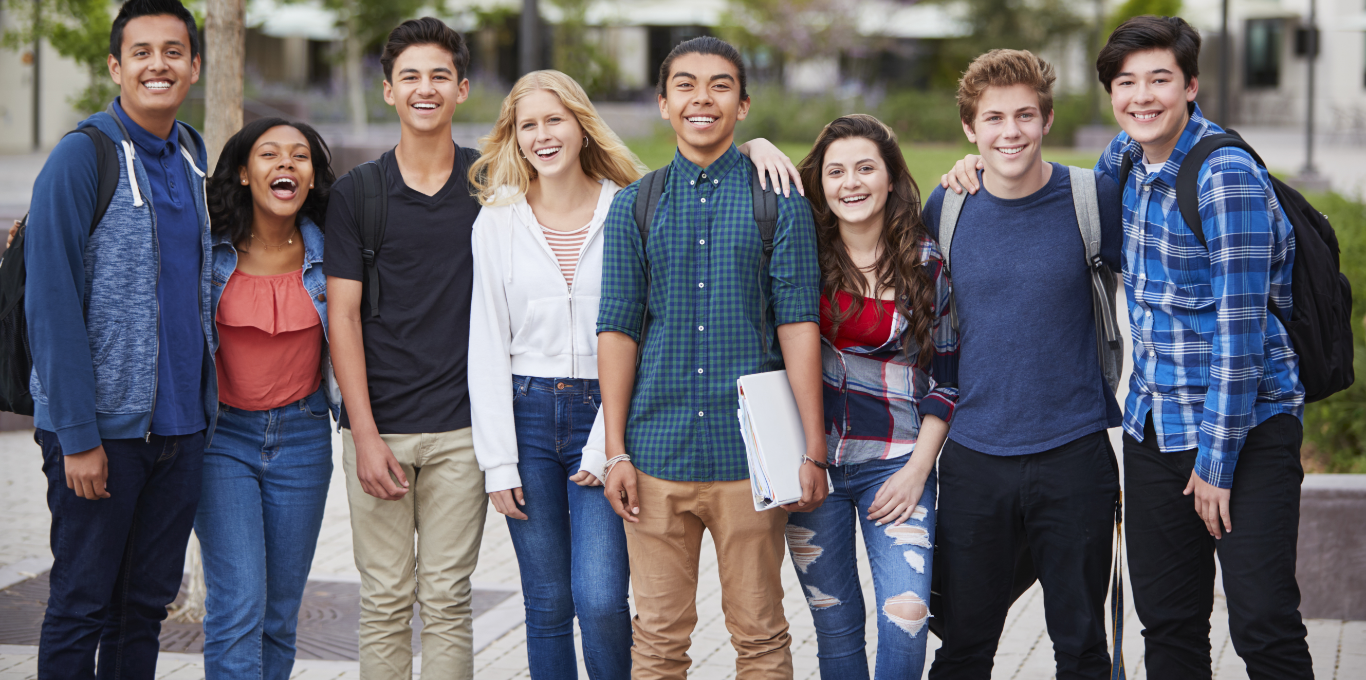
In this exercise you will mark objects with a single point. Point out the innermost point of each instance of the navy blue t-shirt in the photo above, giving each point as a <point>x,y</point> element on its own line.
<point>1028,375</point>
<point>180,338</point>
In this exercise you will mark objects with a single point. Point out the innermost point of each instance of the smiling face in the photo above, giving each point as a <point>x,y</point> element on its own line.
<point>548,134</point>
<point>702,102</point>
<point>1149,98</point>
<point>154,70</point>
<point>426,88</point>
<point>279,171</point>
<point>855,181</point>
<point>1008,130</point>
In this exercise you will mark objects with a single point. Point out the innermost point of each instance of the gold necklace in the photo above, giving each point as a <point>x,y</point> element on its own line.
<point>290,242</point>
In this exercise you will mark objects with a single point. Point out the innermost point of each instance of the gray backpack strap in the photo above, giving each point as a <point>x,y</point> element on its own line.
<point>948,221</point>
<point>1109,346</point>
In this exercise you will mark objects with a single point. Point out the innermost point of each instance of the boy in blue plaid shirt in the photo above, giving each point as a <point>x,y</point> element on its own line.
<point>1215,403</point>
<point>714,314</point>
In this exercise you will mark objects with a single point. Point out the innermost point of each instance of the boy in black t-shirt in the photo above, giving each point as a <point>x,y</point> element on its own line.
<point>401,369</point>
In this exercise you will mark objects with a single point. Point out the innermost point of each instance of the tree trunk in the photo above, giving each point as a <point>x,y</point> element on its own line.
<point>355,83</point>
<point>225,38</point>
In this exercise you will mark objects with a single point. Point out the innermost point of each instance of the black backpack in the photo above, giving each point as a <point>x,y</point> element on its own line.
<point>16,357</point>
<point>370,200</point>
<point>647,200</point>
<point>1320,320</point>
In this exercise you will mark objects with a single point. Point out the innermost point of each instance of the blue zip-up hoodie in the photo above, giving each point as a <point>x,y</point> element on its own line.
<point>91,299</point>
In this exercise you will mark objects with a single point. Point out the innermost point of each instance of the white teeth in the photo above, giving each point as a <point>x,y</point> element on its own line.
<point>1011,152</point>
<point>424,105</point>
<point>546,153</point>
<point>158,85</point>
<point>283,183</point>
<point>853,199</point>
<point>702,120</point>
<point>1145,116</point>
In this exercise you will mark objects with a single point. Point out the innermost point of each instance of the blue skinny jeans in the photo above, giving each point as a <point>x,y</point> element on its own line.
<point>572,546</point>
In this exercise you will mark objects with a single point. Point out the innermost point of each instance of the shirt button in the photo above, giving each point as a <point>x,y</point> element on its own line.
<point>692,182</point>
<point>700,370</point>
<point>704,175</point>
<point>716,181</point>
<point>701,242</point>
<point>701,328</point>
<point>704,200</point>
<point>700,414</point>
<point>701,285</point>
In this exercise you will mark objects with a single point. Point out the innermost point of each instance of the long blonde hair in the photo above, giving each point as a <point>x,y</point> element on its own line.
<point>501,163</point>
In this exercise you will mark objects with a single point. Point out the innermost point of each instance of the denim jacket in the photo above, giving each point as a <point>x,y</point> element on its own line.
<point>225,263</point>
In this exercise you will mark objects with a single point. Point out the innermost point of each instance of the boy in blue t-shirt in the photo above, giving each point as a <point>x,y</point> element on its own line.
<point>1028,464</point>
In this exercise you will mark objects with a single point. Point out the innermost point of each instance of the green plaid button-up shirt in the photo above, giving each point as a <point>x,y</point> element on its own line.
<point>713,314</point>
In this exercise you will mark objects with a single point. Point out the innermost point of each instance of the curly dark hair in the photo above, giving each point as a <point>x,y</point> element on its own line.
<point>903,233</point>
<point>230,203</point>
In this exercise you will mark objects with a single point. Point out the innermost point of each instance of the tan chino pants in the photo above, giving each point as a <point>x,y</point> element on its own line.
<point>445,508</point>
<point>664,549</point>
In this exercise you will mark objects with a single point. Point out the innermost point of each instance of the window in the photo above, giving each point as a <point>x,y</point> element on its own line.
<point>1263,62</point>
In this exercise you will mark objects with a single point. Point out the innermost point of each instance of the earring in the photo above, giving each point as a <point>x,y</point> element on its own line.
<point>310,185</point>
<point>244,182</point>
<point>585,141</point>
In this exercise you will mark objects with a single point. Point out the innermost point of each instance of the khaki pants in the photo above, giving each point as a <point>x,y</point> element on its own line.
<point>445,506</point>
<point>664,548</point>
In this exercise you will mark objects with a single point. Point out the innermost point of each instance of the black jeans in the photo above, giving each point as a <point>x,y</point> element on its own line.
<point>117,562</point>
<point>1060,506</point>
<point>1171,556</point>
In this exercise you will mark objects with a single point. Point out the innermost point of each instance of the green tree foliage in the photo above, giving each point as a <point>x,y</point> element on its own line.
<point>579,52</point>
<point>791,30</point>
<point>1006,24</point>
<point>1136,8</point>
<point>76,29</point>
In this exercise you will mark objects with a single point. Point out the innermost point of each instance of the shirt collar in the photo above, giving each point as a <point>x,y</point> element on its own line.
<point>147,142</point>
<point>718,170</point>
<point>1198,126</point>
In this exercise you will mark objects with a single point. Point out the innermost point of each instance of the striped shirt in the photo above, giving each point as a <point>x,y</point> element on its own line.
<point>567,246</point>
<point>1210,362</point>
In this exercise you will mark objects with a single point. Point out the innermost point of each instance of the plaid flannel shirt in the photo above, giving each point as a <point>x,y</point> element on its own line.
<point>713,314</point>
<point>876,397</point>
<point>1210,361</point>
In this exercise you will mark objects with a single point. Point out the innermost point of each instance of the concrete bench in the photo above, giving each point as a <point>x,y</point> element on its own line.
<point>1331,556</point>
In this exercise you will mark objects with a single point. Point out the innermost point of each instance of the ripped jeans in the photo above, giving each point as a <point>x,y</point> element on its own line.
<point>822,547</point>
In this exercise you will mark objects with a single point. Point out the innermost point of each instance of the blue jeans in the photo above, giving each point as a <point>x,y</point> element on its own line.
<point>265,484</point>
<point>822,547</point>
<point>117,561</point>
<point>572,546</point>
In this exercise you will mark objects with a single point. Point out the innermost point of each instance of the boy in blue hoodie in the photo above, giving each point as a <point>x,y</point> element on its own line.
<point>123,381</point>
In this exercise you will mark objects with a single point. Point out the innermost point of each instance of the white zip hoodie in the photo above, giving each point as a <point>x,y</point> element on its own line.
<point>525,320</point>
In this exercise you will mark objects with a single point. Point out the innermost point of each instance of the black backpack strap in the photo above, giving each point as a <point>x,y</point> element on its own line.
<point>370,197</point>
<point>647,201</point>
<point>107,162</point>
<point>1126,167</point>
<point>765,212</point>
<point>1188,177</point>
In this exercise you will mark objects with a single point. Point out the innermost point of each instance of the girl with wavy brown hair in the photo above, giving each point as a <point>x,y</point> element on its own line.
<point>889,368</point>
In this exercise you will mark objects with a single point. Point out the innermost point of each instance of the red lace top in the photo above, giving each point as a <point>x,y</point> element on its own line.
<point>270,341</point>
<point>871,327</point>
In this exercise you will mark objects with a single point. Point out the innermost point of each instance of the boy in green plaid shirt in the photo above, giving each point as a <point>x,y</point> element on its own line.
<point>676,459</point>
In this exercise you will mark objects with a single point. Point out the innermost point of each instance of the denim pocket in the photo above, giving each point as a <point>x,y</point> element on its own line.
<point>519,387</point>
<point>315,405</point>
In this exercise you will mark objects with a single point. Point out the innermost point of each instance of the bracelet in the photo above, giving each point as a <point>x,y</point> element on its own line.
<point>820,464</point>
<point>612,463</point>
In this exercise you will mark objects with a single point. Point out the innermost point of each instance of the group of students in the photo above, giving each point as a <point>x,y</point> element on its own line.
<point>533,325</point>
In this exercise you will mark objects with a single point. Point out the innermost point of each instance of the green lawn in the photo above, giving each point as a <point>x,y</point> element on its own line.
<point>926,161</point>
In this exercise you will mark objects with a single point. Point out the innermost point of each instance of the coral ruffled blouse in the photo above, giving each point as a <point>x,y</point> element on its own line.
<point>270,341</point>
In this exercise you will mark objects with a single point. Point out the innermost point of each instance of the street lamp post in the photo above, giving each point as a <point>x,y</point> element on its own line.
<point>1225,49</point>
<point>530,37</point>
<point>1309,177</point>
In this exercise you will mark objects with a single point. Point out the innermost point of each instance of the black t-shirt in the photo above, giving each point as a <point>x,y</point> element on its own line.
<point>415,350</point>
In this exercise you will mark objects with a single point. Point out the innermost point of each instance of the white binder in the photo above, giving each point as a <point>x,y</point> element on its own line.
<point>774,440</point>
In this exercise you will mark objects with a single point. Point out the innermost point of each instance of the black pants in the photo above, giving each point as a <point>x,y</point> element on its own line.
<point>1171,556</point>
<point>1060,506</point>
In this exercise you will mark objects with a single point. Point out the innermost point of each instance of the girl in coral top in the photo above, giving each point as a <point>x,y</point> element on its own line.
<point>269,459</point>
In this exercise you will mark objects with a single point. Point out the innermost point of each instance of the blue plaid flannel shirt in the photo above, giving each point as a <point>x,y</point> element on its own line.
<point>877,397</point>
<point>713,313</point>
<point>1210,361</point>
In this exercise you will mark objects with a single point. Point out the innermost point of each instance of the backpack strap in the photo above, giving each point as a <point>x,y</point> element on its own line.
<point>765,213</point>
<point>107,163</point>
<point>1109,347</point>
<point>647,201</point>
<point>948,222</point>
<point>371,201</point>
<point>1126,168</point>
<point>1188,177</point>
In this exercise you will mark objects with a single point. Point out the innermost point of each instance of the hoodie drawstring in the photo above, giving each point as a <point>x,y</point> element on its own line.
<point>132,176</point>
